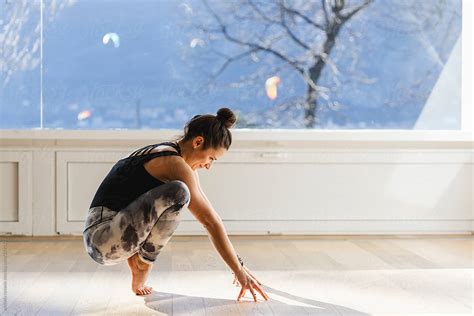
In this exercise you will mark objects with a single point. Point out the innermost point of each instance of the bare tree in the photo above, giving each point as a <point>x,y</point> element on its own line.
<point>20,40</point>
<point>308,28</point>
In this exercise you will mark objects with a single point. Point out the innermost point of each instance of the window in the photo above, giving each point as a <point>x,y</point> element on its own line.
<point>354,64</point>
<point>20,61</point>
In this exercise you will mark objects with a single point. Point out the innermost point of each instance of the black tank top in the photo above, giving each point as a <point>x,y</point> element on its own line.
<point>128,179</point>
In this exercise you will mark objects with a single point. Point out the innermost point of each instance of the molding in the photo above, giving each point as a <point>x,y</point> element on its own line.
<point>334,227</point>
<point>24,225</point>
<point>248,135</point>
<point>329,227</point>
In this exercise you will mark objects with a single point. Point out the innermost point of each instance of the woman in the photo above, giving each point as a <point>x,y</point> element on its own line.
<point>138,205</point>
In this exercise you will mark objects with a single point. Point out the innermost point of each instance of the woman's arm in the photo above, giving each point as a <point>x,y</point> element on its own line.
<point>203,211</point>
<point>222,228</point>
<point>218,236</point>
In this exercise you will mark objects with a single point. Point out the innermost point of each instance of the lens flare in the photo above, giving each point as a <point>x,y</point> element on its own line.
<point>271,86</point>
<point>196,42</point>
<point>111,37</point>
<point>84,115</point>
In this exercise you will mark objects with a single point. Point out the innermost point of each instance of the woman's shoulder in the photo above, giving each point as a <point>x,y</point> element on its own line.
<point>165,147</point>
<point>165,167</point>
<point>154,148</point>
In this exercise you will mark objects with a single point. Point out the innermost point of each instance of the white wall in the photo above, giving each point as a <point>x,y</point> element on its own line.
<point>281,181</point>
<point>293,182</point>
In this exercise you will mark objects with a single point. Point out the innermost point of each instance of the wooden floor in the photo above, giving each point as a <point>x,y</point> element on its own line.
<point>320,275</point>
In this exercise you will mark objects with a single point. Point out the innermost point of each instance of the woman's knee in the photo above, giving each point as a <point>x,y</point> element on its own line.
<point>181,191</point>
<point>92,250</point>
<point>169,197</point>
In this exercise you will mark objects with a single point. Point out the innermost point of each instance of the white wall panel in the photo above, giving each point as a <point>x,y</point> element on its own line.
<point>339,191</point>
<point>78,176</point>
<point>9,192</point>
<point>304,192</point>
<point>44,192</point>
<point>15,192</point>
<point>83,179</point>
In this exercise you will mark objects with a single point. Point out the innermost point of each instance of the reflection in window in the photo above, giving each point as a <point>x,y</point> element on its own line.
<point>19,64</point>
<point>294,64</point>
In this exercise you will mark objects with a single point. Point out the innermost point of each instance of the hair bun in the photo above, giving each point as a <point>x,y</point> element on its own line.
<point>227,117</point>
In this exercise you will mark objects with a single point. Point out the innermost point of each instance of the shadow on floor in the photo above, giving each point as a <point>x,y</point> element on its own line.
<point>175,304</point>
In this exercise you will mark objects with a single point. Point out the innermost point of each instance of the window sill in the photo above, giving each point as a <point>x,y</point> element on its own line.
<point>247,138</point>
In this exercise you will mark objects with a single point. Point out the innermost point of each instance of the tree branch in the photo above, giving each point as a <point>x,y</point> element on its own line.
<point>354,10</point>
<point>326,17</point>
<point>304,17</point>
<point>268,49</point>
<point>260,12</point>
<point>290,33</point>
<point>232,59</point>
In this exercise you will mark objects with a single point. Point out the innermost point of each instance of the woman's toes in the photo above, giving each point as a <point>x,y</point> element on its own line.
<point>143,291</point>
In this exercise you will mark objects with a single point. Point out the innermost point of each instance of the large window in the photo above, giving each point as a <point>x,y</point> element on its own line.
<point>321,64</point>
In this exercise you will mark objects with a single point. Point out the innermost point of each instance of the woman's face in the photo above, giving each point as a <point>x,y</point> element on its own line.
<point>204,158</point>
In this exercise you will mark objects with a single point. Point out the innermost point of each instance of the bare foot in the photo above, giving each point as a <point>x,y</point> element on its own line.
<point>140,271</point>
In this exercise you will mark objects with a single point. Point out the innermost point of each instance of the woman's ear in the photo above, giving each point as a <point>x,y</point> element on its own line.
<point>198,140</point>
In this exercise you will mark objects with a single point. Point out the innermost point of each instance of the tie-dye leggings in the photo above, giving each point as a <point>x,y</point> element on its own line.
<point>143,227</point>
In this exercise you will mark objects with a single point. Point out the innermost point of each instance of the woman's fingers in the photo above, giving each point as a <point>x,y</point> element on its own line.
<point>262,292</point>
<point>253,293</point>
<point>242,293</point>
<point>252,284</point>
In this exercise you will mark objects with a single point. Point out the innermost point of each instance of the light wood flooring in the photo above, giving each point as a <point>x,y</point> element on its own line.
<point>303,275</point>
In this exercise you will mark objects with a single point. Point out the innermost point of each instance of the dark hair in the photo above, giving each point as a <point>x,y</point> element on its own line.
<point>214,128</point>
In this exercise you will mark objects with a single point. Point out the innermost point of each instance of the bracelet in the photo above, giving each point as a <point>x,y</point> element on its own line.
<point>240,260</point>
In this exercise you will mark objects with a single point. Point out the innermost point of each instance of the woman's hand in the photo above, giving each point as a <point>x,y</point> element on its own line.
<point>248,282</point>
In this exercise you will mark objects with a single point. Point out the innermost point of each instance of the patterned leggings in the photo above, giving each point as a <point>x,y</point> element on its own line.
<point>144,226</point>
